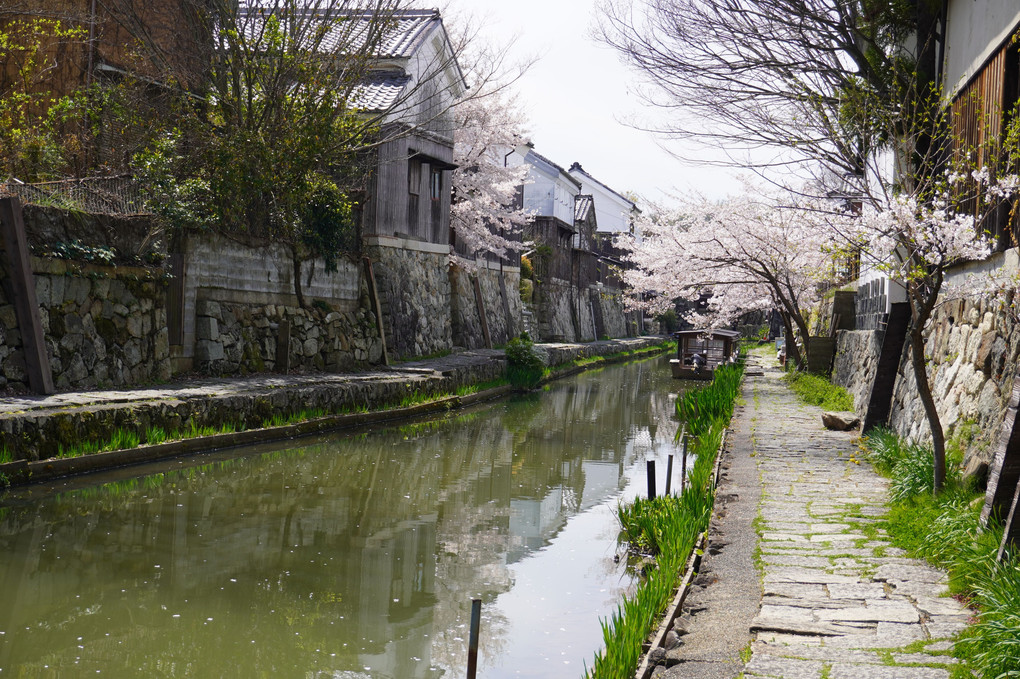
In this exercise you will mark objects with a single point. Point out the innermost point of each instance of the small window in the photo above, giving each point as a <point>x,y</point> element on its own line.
<point>413,191</point>
<point>414,177</point>
<point>436,184</point>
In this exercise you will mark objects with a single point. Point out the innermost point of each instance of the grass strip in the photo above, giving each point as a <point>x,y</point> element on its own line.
<point>946,531</point>
<point>818,391</point>
<point>666,528</point>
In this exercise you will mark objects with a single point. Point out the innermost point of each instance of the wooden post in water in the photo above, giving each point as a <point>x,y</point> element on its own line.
<point>476,619</point>
<point>683,466</point>
<point>651,479</point>
<point>669,472</point>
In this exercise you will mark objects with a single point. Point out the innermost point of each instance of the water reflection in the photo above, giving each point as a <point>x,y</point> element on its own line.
<point>355,556</point>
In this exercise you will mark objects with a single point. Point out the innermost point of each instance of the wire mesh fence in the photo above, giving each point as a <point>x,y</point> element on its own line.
<point>91,195</point>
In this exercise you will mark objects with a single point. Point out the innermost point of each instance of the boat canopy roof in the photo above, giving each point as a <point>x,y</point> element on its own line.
<point>710,332</point>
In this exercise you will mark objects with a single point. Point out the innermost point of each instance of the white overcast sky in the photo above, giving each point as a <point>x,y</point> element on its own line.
<point>576,97</point>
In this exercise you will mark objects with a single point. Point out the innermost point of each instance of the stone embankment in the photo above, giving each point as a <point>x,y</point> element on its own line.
<point>835,599</point>
<point>36,428</point>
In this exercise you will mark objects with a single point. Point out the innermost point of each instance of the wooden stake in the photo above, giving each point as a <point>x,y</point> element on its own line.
<point>26,305</point>
<point>476,620</point>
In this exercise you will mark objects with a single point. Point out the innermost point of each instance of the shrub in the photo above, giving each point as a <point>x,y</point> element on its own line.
<point>885,449</point>
<point>524,365</point>
<point>913,473</point>
<point>994,640</point>
<point>527,270</point>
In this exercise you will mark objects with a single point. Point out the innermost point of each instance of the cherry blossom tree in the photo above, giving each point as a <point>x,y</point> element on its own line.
<point>484,216</point>
<point>916,239</point>
<point>749,253</point>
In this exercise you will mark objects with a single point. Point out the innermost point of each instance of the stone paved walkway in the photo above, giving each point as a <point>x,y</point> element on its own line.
<point>838,602</point>
<point>831,598</point>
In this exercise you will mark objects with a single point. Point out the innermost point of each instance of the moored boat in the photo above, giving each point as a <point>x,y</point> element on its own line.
<point>698,352</point>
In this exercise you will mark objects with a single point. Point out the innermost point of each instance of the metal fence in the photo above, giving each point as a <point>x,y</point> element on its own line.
<point>91,195</point>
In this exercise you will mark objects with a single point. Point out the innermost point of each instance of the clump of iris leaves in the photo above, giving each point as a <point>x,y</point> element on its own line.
<point>667,527</point>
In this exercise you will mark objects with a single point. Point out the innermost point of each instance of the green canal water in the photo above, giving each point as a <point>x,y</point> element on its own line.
<point>352,556</point>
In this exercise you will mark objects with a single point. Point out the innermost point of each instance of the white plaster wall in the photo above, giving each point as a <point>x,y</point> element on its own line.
<point>975,29</point>
<point>435,84</point>
<point>548,195</point>
<point>612,211</point>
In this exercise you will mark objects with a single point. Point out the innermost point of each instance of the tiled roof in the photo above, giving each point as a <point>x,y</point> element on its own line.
<point>403,31</point>
<point>566,174</point>
<point>380,91</point>
<point>583,205</point>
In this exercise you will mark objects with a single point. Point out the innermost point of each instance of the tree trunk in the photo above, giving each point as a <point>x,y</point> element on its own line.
<point>805,334</point>
<point>296,259</point>
<point>938,437</point>
<point>792,352</point>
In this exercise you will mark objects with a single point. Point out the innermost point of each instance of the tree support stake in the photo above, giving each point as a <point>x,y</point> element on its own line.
<point>26,305</point>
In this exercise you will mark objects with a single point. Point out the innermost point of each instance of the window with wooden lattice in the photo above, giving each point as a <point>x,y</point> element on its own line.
<point>981,114</point>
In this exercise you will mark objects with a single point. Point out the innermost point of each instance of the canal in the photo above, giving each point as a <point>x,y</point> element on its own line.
<point>351,556</point>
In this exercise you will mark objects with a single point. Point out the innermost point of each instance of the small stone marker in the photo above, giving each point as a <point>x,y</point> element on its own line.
<point>840,421</point>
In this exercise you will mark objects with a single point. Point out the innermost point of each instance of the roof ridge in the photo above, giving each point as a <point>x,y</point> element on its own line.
<point>577,166</point>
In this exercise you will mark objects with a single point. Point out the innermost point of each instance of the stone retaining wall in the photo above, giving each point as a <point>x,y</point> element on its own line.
<point>857,354</point>
<point>467,327</point>
<point>33,434</point>
<point>223,270</point>
<point>103,326</point>
<point>564,315</point>
<point>973,348</point>
<point>613,314</point>
<point>414,290</point>
<point>235,339</point>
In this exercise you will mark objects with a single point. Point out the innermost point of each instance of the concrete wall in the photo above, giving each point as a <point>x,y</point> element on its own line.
<point>103,326</point>
<point>220,269</point>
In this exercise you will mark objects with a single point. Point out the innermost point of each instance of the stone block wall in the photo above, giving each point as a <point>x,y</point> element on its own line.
<point>223,270</point>
<point>973,347</point>
<point>614,317</point>
<point>103,326</point>
<point>413,282</point>
<point>235,339</point>
<point>502,328</point>
<point>467,326</point>
<point>554,302</point>
<point>565,315</point>
<point>856,364</point>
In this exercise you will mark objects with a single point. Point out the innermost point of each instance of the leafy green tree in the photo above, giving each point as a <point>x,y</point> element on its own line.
<point>43,135</point>
<point>261,138</point>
